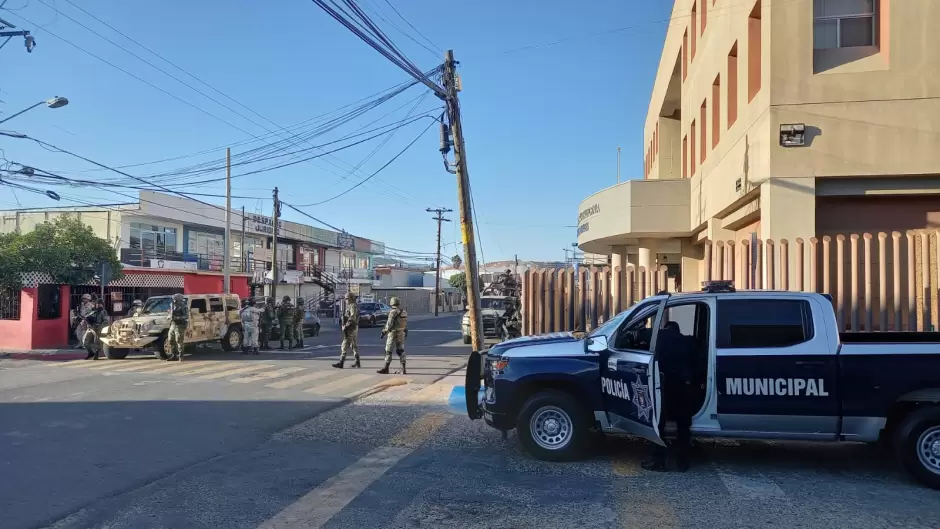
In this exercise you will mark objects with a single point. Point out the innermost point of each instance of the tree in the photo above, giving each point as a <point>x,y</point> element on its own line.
<point>457,261</point>
<point>65,248</point>
<point>459,281</point>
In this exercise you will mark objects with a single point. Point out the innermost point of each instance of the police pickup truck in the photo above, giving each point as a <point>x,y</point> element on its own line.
<point>770,365</point>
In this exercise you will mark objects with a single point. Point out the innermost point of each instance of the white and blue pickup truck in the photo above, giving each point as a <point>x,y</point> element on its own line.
<point>770,365</point>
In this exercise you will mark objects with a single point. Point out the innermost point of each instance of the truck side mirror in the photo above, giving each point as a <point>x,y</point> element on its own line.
<point>595,344</point>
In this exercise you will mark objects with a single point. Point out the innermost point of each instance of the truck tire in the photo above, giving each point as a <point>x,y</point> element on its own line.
<point>553,426</point>
<point>233,339</point>
<point>161,346</point>
<point>918,445</point>
<point>112,353</point>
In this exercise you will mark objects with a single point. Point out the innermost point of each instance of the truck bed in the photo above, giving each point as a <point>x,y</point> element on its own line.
<point>889,337</point>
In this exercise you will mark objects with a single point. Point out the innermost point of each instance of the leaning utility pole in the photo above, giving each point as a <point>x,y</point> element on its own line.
<point>437,280</point>
<point>466,207</point>
<point>277,213</point>
<point>244,258</point>
<point>227,253</point>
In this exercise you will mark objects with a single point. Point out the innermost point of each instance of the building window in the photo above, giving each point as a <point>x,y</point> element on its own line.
<point>692,146</point>
<point>363,262</point>
<point>753,52</point>
<point>843,23</point>
<point>49,306</point>
<point>703,110</point>
<point>153,240</point>
<point>685,156</point>
<point>685,55</point>
<point>733,85</point>
<point>347,261</point>
<point>694,28</point>
<point>9,303</point>
<point>716,111</point>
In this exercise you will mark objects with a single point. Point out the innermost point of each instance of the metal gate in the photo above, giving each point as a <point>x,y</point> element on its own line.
<point>128,295</point>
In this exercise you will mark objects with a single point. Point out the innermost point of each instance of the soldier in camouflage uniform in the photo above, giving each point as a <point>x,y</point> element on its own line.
<point>300,312</point>
<point>350,326</point>
<point>396,330</point>
<point>285,318</point>
<point>137,308</point>
<point>179,320</point>
<point>267,323</point>
<point>250,316</point>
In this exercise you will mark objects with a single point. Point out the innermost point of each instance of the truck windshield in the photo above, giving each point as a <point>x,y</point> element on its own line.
<point>157,305</point>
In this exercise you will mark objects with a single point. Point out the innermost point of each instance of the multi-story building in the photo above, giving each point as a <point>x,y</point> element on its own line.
<point>166,232</point>
<point>779,120</point>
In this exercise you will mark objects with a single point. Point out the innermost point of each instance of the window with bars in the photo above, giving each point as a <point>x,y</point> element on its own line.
<point>844,23</point>
<point>9,303</point>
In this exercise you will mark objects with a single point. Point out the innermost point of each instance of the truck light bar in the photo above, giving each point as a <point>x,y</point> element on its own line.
<point>718,286</point>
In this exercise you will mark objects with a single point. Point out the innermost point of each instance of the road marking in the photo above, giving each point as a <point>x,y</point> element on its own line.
<point>81,363</point>
<point>296,381</point>
<point>320,505</point>
<point>751,488</point>
<point>205,367</point>
<point>254,377</point>
<point>388,383</point>
<point>139,365</point>
<point>236,371</point>
<point>175,367</point>
<point>337,384</point>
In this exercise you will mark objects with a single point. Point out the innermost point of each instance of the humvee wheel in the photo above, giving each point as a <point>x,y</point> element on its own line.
<point>114,353</point>
<point>161,348</point>
<point>232,341</point>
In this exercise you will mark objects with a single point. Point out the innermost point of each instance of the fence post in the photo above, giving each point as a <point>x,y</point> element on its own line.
<point>896,253</point>
<point>708,260</point>
<point>769,282</point>
<point>935,290</point>
<point>911,284</point>
<point>925,275</point>
<point>631,285</point>
<point>759,265</point>
<point>784,265</point>
<point>840,280</point>
<point>853,290</point>
<point>618,290</point>
<point>746,264</point>
<point>827,269</point>
<point>641,294</point>
<point>569,299</point>
<point>719,257</point>
<point>550,288</point>
<point>882,282</point>
<point>730,260</point>
<point>800,285</point>
<point>813,264</point>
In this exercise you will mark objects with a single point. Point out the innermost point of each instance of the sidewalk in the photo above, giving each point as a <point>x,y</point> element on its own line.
<point>54,355</point>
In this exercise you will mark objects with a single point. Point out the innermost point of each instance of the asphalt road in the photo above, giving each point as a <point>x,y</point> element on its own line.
<point>101,448</point>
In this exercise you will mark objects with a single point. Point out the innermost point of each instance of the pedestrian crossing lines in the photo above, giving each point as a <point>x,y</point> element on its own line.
<point>315,378</point>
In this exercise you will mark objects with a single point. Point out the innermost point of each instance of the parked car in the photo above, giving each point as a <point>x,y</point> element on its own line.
<point>493,308</point>
<point>373,313</point>
<point>311,321</point>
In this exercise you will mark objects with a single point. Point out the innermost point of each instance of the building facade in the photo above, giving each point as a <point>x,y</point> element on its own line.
<point>779,121</point>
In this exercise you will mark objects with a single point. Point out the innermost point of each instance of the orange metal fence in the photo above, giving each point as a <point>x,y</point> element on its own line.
<point>877,281</point>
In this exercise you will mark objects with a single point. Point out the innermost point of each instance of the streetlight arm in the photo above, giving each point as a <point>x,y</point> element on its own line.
<point>27,109</point>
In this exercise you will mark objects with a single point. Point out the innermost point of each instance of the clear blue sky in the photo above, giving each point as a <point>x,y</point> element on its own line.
<point>542,124</point>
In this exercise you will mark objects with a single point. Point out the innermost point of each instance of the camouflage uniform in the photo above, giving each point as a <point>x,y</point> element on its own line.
<point>250,316</point>
<point>396,329</point>
<point>95,320</point>
<point>350,331</point>
<point>267,323</point>
<point>179,320</point>
<point>285,318</point>
<point>300,314</point>
<point>83,311</point>
<point>137,308</point>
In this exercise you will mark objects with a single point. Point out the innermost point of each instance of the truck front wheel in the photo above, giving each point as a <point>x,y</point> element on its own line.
<point>112,353</point>
<point>918,445</point>
<point>553,426</point>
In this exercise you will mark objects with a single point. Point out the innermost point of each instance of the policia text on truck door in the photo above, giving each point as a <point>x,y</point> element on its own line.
<point>771,365</point>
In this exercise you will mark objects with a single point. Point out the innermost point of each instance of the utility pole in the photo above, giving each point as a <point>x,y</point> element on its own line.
<point>618,165</point>
<point>227,254</point>
<point>465,206</point>
<point>437,280</point>
<point>277,213</point>
<point>516,269</point>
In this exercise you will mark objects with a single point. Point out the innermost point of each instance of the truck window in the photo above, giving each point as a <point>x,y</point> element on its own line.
<point>215,305</point>
<point>232,304</point>
<point>198,306</point>
<point>763,323</point>
<point>637,333</point>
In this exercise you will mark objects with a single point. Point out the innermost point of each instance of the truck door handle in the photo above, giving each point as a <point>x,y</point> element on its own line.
<point>810,363</point>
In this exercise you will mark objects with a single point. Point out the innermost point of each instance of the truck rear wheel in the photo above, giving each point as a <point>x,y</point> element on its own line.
<point>232,341</point>
<point>918,445</point>
<point>553,426</point>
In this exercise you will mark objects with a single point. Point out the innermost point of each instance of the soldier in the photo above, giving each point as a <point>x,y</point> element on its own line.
<point>250,316</point>
<point>95,320</point>
<point>285,318</point>
<point>396,329</point>
<point>350,326</point>
<point>300,313</point>
<point>137,308</point>
<point>179,320</point>
<point>267,323</point>
<point>84,309</point>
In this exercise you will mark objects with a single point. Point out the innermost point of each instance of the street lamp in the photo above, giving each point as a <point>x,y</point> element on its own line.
<point>55,102</point>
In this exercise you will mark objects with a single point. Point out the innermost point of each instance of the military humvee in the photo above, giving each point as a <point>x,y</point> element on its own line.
<point>212,317</point>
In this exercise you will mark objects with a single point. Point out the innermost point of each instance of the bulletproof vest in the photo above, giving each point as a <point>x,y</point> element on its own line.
<point>401,323</point>
<point>179,314</point>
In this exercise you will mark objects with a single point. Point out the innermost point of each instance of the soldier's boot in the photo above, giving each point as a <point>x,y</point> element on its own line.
<point>255,351</point>
<point>281,348</point>
<point>384,370</point>
<point>357,364</point>
<point>339,365</point>
<point>403,370</point>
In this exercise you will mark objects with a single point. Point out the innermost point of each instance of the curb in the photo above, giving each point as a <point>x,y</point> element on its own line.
<point>45,357</point>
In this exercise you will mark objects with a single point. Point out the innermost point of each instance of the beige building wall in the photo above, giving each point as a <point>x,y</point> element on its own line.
<point>105,223</point>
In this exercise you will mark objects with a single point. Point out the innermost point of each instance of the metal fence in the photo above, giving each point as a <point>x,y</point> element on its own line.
<point>9,303</point>
<point>878,282</point>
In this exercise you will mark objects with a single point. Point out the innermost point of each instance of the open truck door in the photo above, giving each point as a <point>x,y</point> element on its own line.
<point>472,385</point>
<point>630,380</point>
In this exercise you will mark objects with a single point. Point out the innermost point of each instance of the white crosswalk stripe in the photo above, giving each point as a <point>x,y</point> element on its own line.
<point>267,375</point>
<point>236,371</point>
<point>303,379</point>
<point>338,384</point>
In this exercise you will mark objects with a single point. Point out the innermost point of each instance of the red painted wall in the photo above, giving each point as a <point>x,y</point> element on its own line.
<point>31,333</point>
<point>212,284</point>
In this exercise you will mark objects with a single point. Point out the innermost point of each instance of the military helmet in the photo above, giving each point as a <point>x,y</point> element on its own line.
<point>285,299</point>
<point>86,297</point>
<point>250,302</point>
<point>509,271</point>
<point>300,301</point>
<point>350,296</point>
<point>177,298</point>
<point>269,299</point>
<point>138,303</point>
<point>395,302</point>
